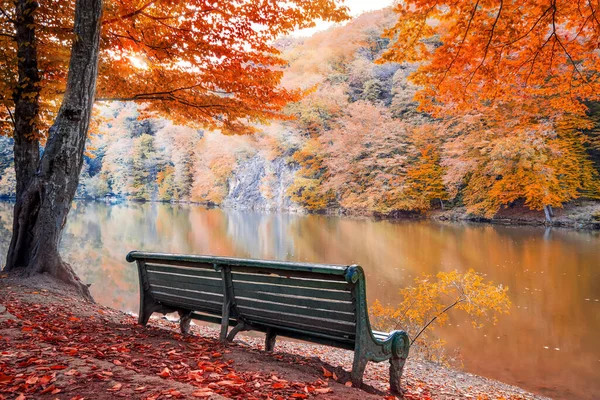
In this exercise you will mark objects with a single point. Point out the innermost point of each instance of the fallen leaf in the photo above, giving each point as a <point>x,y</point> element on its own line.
<point>115,388</point>
<point>326,373</point>
<point>203,393</point>
<point>48,389</point>
<point>165,373</point>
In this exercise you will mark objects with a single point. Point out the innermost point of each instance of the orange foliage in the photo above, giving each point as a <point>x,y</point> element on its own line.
<point>209,63</point>
<point>427,304</point>
<point>364,160</point>
<point>511,80</point>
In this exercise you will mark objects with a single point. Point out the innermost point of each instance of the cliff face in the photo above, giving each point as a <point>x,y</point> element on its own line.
<point>261,184</point>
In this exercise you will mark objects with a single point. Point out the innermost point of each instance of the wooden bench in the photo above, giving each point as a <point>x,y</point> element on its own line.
<point>324,304</point>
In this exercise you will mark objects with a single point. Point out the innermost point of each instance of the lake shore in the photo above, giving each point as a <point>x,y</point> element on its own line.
<point>53,342</point>
<point>579,214</point>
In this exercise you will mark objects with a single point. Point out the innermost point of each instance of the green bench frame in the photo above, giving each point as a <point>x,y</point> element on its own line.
<point>324,304</point>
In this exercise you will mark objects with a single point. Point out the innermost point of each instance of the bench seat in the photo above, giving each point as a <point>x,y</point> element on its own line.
<point>324,304</point>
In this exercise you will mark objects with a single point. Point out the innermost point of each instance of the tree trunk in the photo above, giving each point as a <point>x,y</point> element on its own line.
<point>548,213</point>
<point>45,198</point>
<point>26,97</point>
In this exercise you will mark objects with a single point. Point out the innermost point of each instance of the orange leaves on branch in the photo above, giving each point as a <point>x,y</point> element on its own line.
<point>427,303</point>
<point>205,63</point>
<point>511,82</point>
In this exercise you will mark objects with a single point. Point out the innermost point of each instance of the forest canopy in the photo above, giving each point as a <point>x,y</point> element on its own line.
<point>380,130</point>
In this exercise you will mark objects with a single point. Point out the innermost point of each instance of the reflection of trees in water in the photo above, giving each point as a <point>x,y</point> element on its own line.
<point>261,235</point>
<point>6,212</point>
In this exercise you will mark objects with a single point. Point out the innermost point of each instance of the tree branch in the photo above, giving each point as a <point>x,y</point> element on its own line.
<point>460,299</point>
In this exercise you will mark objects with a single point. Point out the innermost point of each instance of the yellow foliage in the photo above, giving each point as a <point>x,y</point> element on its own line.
<point>426,304</point>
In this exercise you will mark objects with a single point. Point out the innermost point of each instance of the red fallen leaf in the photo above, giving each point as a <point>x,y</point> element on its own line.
<point>279,385</point>
<point>55,391</point>
<point>58,367</point>
<point>299,396</point>
<point>26,329</point>
<point>226,383</point>
<point>335,378</point>
<point>140,389</point>
<point>73,319</point>
<point>175,393</point>
<point>326,373</point>
<point>48,389</point>
<point>115,388</point>
<point>72,372</point>
<point>204,392</point>
<point>216,354</point>
<point>165,373</point>
<point>21,397</point>
<point>107,373</point>
<point>45,379</point>
<point>323,390</point>
<point>5,378</point>
<point>32,380</point>
<point>349,384</point>
<point>117,362</point>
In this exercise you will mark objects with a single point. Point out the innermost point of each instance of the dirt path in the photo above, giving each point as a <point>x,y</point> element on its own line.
<point>56,346</point>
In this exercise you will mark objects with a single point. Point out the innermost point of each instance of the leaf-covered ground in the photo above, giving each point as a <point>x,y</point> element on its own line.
<point>58,347</point>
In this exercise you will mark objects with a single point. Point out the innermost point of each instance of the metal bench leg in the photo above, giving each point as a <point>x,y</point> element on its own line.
<point>236,329</point>
<point>148,306</point>
<point>396,369</point>
<point>270,340</point>
<point>358,369</point>
<point>184,321</point>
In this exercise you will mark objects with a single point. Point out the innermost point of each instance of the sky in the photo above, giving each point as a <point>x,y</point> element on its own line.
<point>356,7</point>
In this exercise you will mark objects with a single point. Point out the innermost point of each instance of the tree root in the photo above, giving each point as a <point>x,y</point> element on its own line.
<point>65,273</point>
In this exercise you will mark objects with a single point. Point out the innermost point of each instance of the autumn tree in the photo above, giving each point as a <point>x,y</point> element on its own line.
<point>364,158</point>
<point>525,71</point>
<point>205,63</point>
<point>424,172</point>
<point>427,304</point>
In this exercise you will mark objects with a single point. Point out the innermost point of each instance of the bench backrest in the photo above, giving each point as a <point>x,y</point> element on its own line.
<point>314,299</point>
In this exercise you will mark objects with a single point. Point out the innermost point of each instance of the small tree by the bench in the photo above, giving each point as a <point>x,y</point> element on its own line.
<point>426,304</point>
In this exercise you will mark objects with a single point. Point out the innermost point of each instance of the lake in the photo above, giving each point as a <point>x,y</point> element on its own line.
<point>548,344</point>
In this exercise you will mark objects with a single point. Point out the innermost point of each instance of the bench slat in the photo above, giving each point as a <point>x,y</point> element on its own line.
<point>292,291</point>
<point>313,323</point>
<point>297,301</point>
<point>201,272</point>
<point>198,287</point>
<point>282,279</point>
<point>307,327</point>
<point>295,309</point>
<point>185,293</point>
<point>189,303</point>
<point>184,264</point>
<point>178,278</point>
<point>300,273</point>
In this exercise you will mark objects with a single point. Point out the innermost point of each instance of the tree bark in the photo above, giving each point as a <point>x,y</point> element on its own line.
<point>549,213</point>
<point>45,197</point>
<point>26,99</point>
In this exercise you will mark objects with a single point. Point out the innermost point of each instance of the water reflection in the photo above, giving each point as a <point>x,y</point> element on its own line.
<point>547,344</point>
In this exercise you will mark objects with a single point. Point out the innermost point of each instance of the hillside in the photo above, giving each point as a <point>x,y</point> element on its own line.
<point>356,144</point>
